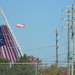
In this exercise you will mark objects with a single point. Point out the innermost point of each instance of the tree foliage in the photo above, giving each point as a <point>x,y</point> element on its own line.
<point>4,67</point>
<point>4,60</point>
<point>22,69</point>
<point>52,70</point>
<point>27,69</point>
<point>16,69</point>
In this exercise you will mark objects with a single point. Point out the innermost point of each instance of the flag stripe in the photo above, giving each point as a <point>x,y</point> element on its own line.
<point>4,33</point>
<point>3,52</point>
<point>13,45</point>
<point>7,45</point>
<point>11,42</point>
<point>2,42</point>
<point>6,52</point>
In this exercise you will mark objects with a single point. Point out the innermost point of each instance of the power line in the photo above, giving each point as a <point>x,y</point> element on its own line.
<point>42,47</point>
<point>62,13</point>
<point>54,56</point>
<point>38,48</point>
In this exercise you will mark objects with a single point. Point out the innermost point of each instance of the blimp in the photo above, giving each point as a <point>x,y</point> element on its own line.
<point>21,25</point>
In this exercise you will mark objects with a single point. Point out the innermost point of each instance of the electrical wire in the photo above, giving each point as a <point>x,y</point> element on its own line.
<point>42,47</point>
<point>38,48</point>
<point>62,13</point>
<point>53,56</point>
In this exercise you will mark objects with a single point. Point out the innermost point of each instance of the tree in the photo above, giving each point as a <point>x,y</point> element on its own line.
<point>52,70</point>
<point>22,69</point>
<point>17,69</point>
<point>4,67</point>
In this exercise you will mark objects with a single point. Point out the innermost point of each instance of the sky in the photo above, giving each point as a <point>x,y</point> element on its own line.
<point>42,18</point>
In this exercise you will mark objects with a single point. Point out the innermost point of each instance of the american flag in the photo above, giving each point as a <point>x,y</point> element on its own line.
<point>8,47</point>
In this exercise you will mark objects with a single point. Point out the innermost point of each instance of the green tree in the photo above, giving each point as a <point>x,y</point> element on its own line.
<point>4,60</point>
<point>3,66</point>
<point>17,69</point>
<point>22,69</point>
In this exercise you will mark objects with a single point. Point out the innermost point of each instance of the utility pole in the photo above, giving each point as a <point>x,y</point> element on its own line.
<point>68,56</point>
<point>57,48</point>
<point>72,27</point>
<point>68,43</point>
<point>57,51</point>
<point>72,39</point>
<point>71,21</point>
<point>56,37</point>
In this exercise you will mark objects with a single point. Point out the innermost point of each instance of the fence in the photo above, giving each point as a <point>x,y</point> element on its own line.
<point>35,69</point>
